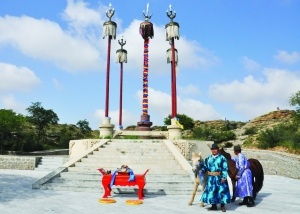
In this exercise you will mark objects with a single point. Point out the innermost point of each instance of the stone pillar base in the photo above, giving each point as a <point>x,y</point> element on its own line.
<point>144,124</point>
<point>174,130</point>
<point>106,129</point>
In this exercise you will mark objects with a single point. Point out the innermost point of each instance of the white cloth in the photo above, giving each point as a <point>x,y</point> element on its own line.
<point>172,31</point>
<point>169,56</point>
<point>121,57</point>
<point>109,30</point>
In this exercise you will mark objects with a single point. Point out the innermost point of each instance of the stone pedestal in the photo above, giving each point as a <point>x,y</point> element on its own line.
<point>144,124</point>
<point>174,130</point>
<point>106,129</point>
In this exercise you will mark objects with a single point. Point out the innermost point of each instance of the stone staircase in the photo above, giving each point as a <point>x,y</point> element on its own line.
<point>49,163</point>
<point>166,175</point>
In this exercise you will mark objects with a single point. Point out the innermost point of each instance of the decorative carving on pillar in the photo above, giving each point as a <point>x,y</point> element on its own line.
<point>184,148</point>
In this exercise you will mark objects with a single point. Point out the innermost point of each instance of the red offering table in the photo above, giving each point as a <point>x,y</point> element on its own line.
<point>122,179</point>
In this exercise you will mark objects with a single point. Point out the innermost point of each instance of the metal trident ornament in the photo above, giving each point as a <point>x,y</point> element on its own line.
<point>170,14</point>
<point>122,42</point>
<point>147,17</point>
<point>110,12</point>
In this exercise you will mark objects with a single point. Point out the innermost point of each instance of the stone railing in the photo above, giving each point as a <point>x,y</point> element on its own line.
<point>18,162</point>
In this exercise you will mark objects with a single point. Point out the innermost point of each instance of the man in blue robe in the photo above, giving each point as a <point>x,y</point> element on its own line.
<point>217,189</point>
<point>244,186</point>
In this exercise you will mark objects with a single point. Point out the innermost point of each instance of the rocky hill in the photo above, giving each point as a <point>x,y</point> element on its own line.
<point>262,123</point>
<point>271,119</point>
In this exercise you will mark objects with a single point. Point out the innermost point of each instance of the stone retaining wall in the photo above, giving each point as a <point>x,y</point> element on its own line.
<point>275,163</point>
<point>18,162</point>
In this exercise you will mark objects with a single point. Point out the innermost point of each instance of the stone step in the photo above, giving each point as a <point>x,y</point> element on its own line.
<point>131,152</point>
<point>136,170</point>
<point>111,156</point>
<point>149,176</point>
<point>50,162</point>
<point>134,145</point>
<point>165,176</point>
<point>97,182</point>
<point>130,164</point>
<point>121,190</point>
<point>137,142</point>
<point>120,159</point>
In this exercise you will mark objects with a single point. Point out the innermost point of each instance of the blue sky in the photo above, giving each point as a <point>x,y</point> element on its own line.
<point>237,59</point>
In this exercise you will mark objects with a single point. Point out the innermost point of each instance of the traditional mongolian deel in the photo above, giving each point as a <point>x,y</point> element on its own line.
<point>215,191</point>
<point>244,185</point>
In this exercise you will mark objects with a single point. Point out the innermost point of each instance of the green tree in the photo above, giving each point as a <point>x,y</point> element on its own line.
<point>218,136</point>
<point>10,127</point>
<point>187,122</point>
<point>84,127</point>
<point>295,101</point>
<point>41,118</point>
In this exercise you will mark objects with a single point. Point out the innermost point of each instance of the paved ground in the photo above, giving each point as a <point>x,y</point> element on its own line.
<point>279,195</point>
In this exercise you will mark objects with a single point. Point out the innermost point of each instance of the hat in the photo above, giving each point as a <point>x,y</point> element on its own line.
<point>237,148</point>
<point>214,146</point>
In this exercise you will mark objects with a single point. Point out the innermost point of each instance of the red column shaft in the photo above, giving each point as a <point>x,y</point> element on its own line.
<point>174,95</point>
<point>107,77</point>
<point>121,93</point>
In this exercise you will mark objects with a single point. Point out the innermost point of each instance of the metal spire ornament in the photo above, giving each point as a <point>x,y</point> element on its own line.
<point>121,58</point>
<point>146,31</point>
<point>172,33</point>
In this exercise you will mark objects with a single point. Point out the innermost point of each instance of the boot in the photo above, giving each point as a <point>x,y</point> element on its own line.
<point>245,201</point>
<point>223,208</point>
<point>250,202</point>
<point>213,207</point>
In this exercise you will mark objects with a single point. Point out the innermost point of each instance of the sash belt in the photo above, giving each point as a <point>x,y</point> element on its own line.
<point>214,173</point>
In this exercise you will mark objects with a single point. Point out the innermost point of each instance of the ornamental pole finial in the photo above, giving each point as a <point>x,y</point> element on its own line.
<point>146,16</point>
<point>170,14</point>
<point>110,12</point>
<point>122,42</point>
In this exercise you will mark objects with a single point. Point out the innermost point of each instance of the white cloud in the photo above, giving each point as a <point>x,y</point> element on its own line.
<point>127,118</point>
<point>10,102</point>
<point>78,13</point>
<point>191,54</point>
<point>81,48</point>
<point>188,90</point>
<point>250,64</point>
<point>197,110</point>
<point>160,107</point>
<point>287,58</point>
<point>13,78</point>
<point>253,97</point>
<point>45,40</point>
<point>83,21</point>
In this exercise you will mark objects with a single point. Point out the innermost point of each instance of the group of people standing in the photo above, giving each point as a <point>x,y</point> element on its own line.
<point>217,189</point>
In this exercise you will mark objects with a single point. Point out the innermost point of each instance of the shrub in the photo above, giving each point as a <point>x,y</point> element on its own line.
<point>250,131</point>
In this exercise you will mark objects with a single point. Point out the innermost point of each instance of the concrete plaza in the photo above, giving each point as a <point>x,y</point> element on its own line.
<point>278,195</point>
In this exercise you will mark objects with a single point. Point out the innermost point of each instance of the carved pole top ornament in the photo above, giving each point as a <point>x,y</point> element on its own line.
<point>146,15</point>
<point>122,42</point>
<point>170,13</point>
<point>110,12</point>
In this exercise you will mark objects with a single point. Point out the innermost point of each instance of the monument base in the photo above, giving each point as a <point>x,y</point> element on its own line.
<point>175,132</point>
<point>144,124</point>
<point>106,129</point>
